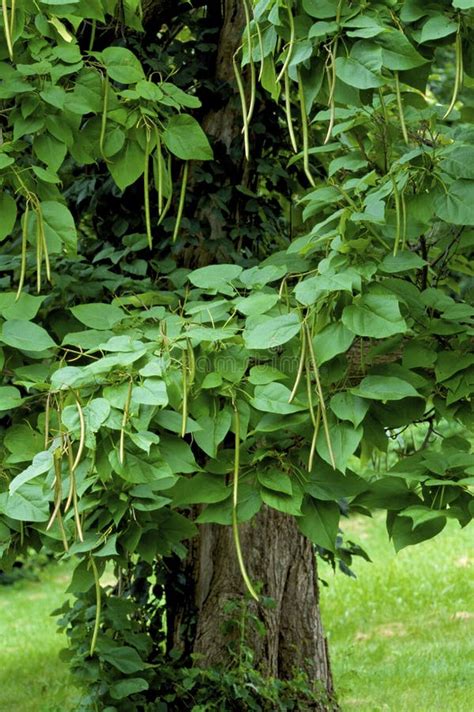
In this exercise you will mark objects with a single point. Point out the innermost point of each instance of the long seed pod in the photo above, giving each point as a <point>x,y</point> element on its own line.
<point>182,196</point>
<point>235,501</point>
<point>170,196</point>
<point>98,606</point>
<point>146,190</point>
<point>404,218</point>
<point>7,29</point>
<point>159,165</point>
<point>289,119</point>
<point>251,63</point>
<point>184,416</point>
<point>398,213</point>
<point>46,420</point>
<point>103,122</point>
<point>320,396</point>
<point>243,102</point>
<point>301,363</point>
<point>260,46</point>
<point>72,477</point>
<point>331,74</point>
<point>401,115</point>
<point>290,43</point>
<point>304,131</point>
<point>77,516</point>
<point>126,410</point>
<point>458,75</point>
<point>57,487</point>
<point>39,253</point>
<point>44,244</point>
<point>191,364</point>
<point>314,439</point>
<point>82,434</point>
<point>24,245</point>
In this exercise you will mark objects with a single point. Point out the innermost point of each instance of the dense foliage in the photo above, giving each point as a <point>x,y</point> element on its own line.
<point>160,353</point>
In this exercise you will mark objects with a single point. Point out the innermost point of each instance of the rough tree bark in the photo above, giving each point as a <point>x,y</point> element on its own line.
<point>276,554</point>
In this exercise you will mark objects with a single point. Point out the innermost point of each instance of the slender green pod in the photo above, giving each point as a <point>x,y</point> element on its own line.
<point>243,103</point>
<point>304,131</point>
<point>251,106</point>
<point>182,196</point>
<point>289,119</point>
<point>7,28</point>
<point>458,74</point>
<point>98,606</point>
<point>235,502</point>
<point>146,189</point>
<point>403,125</point>
<point>184,413</point>
<point>301,364</point>
<point>170,196</point>
<point>126,410</point>
<point>291,42</point>
<point>103,122</point>
<point>320,396</point>
<point>24,246</point>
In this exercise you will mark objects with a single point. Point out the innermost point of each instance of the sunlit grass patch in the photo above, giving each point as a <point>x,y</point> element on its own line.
<point>401,634</point>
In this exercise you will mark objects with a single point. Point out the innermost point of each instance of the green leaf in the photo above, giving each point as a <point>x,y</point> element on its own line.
<point>403,261</point>
<point>26,336</point>
<point>122,65</point>
<point>260,375</point>
<point>344,442</point>
<point>128,164</point>
<point>217,278</point>
<point>320,522</point>
<point>457,205</point>
<point>202,488</point>
<point>463,4</point>
<point>397,51</point>
<point>276,480</point>
<point>374,315</point>
<point>124,688</point>
<point>256,303</point>
<point>437,27</point>
<point>26,307</point>
<point>151,392</point>
<point>310,290</point>
<point>334,339</point>
<point>213,431</point>
<point>403,534</point>
<point>125,659</point>
<point>271,332</point>
<point>321,9</point>
<point>362,68</point>
<point>27,505</point>
<point>59,226</point>
<point>10,397</point>
<point>8,211</point>
<point>98,316</point>
<point>185,138</point>
<point>384,388</point>
<point>273,398</point>
<point>282,502</point>
<point>42,462</point>
<point>459,161</point>
<point>349,407</point>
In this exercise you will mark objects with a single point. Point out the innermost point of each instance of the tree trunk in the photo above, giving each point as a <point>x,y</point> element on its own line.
<point>275,552</point>
<point>284,562</point>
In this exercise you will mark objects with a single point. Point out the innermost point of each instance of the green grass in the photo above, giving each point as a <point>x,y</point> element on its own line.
<point>32,677</point>
<point>401,635</point>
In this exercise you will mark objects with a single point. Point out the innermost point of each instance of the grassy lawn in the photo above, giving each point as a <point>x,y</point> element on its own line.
<point>401,636</point>
<point>32,677</point>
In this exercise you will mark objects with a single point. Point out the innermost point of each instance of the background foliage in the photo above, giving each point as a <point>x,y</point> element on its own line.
<point>160,353</point>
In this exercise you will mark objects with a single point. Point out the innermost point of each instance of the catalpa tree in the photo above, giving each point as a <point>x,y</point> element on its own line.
<point>237,304</point>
